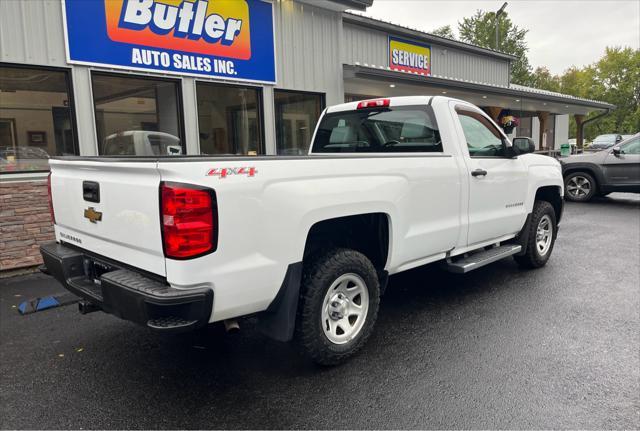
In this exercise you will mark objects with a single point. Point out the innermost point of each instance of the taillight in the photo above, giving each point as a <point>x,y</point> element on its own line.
<point>53,216</point>
<point>375,103</point>
<point>189,217</point>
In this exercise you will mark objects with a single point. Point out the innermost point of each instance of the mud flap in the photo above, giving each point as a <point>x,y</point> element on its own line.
<point>278,321</point>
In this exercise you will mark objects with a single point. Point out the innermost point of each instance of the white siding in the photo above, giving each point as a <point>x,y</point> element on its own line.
<point>369,46</point>
<point>364,46</point>
<point>458,64</point>
<point>31,32</point>
<point>308,41</point>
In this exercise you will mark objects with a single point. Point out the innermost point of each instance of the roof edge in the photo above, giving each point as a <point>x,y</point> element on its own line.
<point>377,24</point>
<point>355,4</point>
<point>437,81</point>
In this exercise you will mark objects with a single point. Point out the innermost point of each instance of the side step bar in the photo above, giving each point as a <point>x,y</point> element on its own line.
<point>480,259</point>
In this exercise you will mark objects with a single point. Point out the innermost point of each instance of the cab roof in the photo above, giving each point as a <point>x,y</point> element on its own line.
<point>393,101</point>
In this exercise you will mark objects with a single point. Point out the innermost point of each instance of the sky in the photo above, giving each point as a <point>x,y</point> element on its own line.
<point>562,33</point>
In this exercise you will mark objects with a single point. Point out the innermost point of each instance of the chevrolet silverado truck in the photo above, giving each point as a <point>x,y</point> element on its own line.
<point>305,244</point>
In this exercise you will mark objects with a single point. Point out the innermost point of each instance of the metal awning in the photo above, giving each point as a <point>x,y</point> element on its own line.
<point>369,80</point>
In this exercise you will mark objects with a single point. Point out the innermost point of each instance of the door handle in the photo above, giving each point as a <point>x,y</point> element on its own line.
<point>478,172</point>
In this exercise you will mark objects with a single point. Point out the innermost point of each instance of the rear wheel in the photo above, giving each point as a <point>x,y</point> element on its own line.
<point>580,187</point>
<point>338,305</point>
<point>542,236</point>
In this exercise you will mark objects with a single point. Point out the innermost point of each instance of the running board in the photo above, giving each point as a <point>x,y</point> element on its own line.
<point>480,259</point>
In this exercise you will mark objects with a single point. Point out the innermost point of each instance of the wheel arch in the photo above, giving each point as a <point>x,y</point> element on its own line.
<point>368,233</point>
<point>553,195</point>
<point>588,168</point>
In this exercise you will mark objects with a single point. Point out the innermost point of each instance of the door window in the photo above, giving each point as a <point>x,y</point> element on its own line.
<point>134,114</point>
<point>632,147</point>
<point>483,139</point>
<point>296,116</point>
<point>229,119</point>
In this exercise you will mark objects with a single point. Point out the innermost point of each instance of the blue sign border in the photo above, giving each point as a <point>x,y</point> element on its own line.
<point>87,43</point>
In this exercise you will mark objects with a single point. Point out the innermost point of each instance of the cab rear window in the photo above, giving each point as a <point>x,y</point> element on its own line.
<point>405,129</point>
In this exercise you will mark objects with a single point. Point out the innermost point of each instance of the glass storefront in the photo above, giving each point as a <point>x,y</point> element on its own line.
<point>137,116</point>
<point>36,118</point>
<point>296,116</point>
<point>229,119</point>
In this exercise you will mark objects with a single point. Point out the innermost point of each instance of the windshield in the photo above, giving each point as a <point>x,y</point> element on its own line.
<point>604,140</point>
<point>399,129</point>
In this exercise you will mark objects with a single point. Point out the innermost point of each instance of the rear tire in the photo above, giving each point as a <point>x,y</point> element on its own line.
<point>339,300</point>
<point>580,187</point>
<point>541,236</point>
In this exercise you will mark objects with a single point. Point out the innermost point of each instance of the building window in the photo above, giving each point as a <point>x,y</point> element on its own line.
<point>137,116</point>
<point>36,118</point>
<point>229,119</point>
<point>296,116</point>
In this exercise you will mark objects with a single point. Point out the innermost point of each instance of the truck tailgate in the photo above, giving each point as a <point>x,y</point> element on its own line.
<point>126,220</point>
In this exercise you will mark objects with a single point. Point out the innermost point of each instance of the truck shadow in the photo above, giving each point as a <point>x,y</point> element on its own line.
<point>629,200</point>
<point>219,377</point>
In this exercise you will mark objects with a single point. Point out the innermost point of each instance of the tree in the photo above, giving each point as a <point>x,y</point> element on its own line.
<point>444,31</point>
<point>615,79</point>
<point>480,29</point>
<point>543,79</point>
<point>618,77</point>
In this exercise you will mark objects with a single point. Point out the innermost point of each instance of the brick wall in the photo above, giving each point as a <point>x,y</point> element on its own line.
<point>25,223</point>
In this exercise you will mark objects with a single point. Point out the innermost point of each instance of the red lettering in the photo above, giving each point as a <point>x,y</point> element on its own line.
<point>224,172</point>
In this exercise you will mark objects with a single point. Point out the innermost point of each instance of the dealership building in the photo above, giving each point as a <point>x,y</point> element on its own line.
<point>213,77</point>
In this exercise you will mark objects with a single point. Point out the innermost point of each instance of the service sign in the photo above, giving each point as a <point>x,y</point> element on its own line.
<point>409,56</point>
<point>216,38</point>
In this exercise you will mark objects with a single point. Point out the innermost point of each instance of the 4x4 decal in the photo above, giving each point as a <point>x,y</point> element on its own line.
<point>225,172</point>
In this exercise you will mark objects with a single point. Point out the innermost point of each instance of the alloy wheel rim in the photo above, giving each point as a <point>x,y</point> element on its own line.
<point>579,187</point>
<point>544,235</point>
<point>344,309</point>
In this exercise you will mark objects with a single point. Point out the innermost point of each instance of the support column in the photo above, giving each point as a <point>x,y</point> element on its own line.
<point>579,130</point>
<point>493,112</point>
<point>543,116</point>
<point>270,146</point>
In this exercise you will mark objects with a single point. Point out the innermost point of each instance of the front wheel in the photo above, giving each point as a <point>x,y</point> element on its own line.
<point>579,187</point>
<point>338,305</point>
<point>542,236</point>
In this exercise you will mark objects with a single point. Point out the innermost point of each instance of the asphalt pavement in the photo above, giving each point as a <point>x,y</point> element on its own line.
<point>499,347</point>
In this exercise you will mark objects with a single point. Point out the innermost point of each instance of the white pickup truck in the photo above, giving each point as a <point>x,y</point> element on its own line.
<point>303,243</point>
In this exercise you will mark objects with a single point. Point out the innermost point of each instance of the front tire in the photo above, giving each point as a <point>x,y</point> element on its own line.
<point>339,300</point>
<point>541,236</point>
<point>580,187</point>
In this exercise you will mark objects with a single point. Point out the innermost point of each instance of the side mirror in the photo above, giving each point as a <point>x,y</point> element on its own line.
<point>617,151</point>
<point>618,139</point>
<point>523,145</point>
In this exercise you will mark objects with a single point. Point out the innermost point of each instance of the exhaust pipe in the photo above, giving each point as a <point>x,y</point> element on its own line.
<point>231,326</point>
<point>86,307</point>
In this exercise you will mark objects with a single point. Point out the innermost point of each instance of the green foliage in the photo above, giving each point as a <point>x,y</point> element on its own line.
<point>543,79</point>
<point>615,78</point>
<point>480,29</point>
<point>444,31</point>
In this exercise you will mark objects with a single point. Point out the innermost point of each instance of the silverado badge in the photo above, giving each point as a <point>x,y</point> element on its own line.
<point>93,215</point>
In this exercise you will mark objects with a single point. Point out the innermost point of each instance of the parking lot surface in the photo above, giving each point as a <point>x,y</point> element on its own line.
<point>498,348</point>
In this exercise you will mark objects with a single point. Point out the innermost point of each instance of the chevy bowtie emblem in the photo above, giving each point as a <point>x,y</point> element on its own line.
<point>93,215</point>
